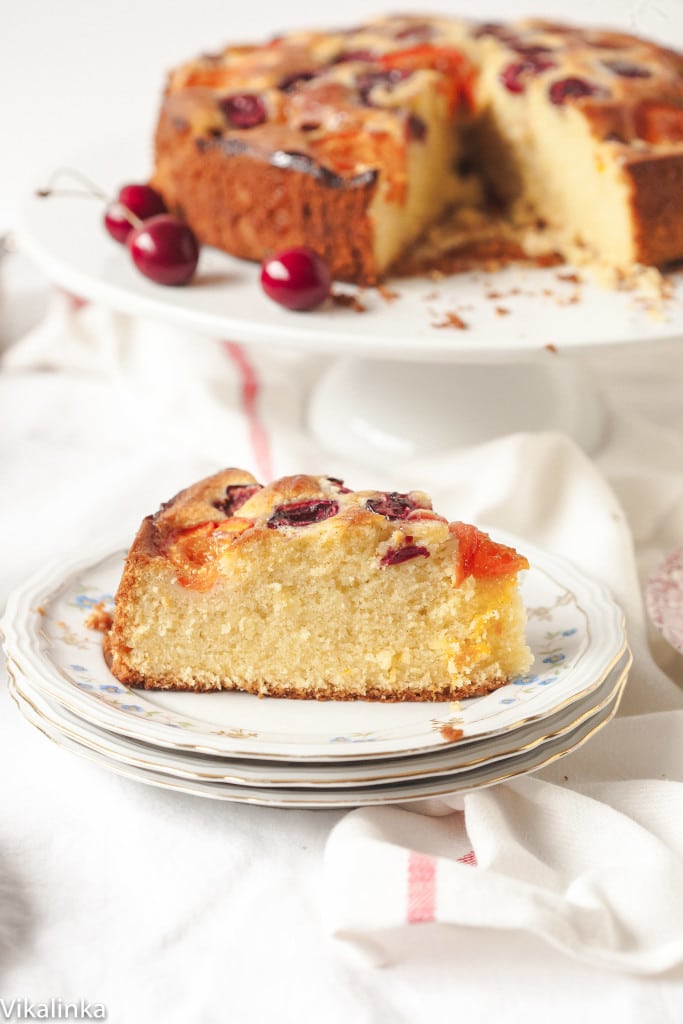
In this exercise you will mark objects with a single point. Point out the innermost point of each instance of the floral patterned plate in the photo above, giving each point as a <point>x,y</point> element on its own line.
<point>399,791</point>
<point>576,632</point>
<point>452,758</point>
<point>664,598</point>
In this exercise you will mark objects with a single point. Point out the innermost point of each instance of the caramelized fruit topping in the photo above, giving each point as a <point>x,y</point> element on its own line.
<point>531,51</point>
<point>482,557</point>
<point>303,513</point>
<point>339,484</point>
<point>394,556</point>
<point>367,81</point>
<point>392,505</point>
<point>572,88</point>
<point>515,76</point>
<point>194,551</point>
<point>236,495</point>
<point>243,110</point>
<point>457,72</point>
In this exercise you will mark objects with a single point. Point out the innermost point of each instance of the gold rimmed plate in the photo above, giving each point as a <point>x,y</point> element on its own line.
<point>274,774</point>
<point>400,791</point>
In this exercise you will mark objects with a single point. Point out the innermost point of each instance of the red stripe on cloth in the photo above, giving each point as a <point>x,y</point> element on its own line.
<point>260,444</point>
<point>77,302</point>
<point>421,888</point>
<point>469,858</point>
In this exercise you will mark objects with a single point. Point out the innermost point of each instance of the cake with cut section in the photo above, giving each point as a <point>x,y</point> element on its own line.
<point>354,142</point>
<point>305,588</point>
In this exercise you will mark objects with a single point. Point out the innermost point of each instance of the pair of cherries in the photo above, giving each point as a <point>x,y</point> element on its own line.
<point>165,250</point>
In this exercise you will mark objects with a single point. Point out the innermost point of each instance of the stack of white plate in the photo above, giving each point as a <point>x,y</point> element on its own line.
<point>234,746</point>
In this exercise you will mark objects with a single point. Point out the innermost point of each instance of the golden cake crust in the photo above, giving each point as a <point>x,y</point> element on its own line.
<point>656,190</point>
<point>239,202</point>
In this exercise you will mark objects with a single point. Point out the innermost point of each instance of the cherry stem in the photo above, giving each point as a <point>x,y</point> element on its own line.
<point>88,190</point>
<point>127,214</point>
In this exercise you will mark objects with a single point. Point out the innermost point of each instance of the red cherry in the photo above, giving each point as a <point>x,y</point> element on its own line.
<point>164,249</point>
<point>303,513</point>
<point>514,76</point>
<point>394,556</point>
<point>142,201</point>
<point>392,505</point>
<point>572,88</point>
<point>244,110</point>
<point>339,484</point>
<point>296,278</point>
<point>236,495</point>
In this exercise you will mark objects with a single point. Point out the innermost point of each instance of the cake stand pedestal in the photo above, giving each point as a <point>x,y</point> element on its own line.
<point>379,412</point>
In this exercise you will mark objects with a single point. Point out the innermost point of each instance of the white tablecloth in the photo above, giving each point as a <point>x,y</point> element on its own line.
<point>165,907</point>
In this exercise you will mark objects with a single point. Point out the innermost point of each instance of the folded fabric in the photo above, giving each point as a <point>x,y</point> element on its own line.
<point>587,855</point>
<point>593,867</point>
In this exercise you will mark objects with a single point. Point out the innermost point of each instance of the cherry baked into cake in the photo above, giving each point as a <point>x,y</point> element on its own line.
<point>304,588</point>
<point>355,142</point>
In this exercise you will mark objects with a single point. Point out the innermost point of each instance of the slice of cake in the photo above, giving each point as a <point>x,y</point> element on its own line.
<point>355,142</point>
<point>304,588</point>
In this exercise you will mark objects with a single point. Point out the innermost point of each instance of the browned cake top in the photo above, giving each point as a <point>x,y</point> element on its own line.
<point>342,100</point>
<point>225,512</point>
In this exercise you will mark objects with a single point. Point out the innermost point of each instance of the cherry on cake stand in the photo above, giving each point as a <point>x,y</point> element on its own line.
<point>428,365</point>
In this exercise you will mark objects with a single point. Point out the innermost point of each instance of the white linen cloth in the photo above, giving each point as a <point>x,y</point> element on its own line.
<point>172,908</point>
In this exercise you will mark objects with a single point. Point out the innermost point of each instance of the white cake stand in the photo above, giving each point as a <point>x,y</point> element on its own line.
<point>454,361</point>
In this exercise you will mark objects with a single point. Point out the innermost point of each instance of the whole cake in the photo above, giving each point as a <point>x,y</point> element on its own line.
<point>354,142</point>
<point>304,588</point>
